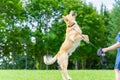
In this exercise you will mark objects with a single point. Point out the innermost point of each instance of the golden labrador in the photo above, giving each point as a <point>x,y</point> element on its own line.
<point>72,41</point>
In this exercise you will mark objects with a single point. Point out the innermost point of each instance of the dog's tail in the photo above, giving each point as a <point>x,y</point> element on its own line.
<point>48,60</point>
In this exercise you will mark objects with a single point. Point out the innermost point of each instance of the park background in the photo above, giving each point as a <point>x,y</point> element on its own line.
<point>30,29</point>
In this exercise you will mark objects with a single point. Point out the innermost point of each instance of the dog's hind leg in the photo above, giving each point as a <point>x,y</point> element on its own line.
<point>63,64</point>
<point>65,72</point>
<point>63,77</point>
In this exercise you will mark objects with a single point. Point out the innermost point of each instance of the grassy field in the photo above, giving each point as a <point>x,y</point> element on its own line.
<point>56,74</point>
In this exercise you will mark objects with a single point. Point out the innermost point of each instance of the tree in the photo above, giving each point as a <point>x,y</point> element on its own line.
<point>42,20</point>
<point>113,28</point>
<point>50,24</point>
<point>115,18</point>
<point>10,15</point>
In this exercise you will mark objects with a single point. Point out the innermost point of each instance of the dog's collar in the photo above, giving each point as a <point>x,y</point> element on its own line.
<point>71,25</point>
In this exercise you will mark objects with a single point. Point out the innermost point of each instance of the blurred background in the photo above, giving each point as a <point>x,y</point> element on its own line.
<point>30,29</point>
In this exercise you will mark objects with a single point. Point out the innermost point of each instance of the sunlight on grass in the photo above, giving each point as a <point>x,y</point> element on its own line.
<point>80,75</point>
<point>56,74</point>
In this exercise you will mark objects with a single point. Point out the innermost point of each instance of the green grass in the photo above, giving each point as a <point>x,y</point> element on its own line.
<point>56,75</point>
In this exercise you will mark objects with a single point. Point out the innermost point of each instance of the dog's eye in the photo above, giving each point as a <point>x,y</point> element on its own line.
<point>73,14</point>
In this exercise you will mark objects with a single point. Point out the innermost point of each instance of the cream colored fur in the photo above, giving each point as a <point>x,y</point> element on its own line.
<point>72,41</point>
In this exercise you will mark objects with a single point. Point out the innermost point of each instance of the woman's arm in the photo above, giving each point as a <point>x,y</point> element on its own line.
<point>115,46</point>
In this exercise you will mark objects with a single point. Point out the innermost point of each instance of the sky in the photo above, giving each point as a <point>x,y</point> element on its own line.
<point>97,3</point>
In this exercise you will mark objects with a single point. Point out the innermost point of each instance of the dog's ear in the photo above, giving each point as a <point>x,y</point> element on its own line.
<point>64,18</point>
<point>75,14</point>
<point>71,11</point>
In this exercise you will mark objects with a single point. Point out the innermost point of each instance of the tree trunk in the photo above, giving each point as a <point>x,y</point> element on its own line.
<point>14,55</point>
<point>34,64</point>
<point>26,61</point>
<point>76,64</point>
<point>83,63</point>
<point>47,65</point>
<point>41,60</point>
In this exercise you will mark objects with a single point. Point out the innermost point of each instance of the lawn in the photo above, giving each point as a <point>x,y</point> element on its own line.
<point>56,74</point>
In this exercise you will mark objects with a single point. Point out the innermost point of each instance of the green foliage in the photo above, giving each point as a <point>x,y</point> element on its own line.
<point>49,13</point>
<point>115,25</point>
<point>42,20</point>
<point>113,29</point>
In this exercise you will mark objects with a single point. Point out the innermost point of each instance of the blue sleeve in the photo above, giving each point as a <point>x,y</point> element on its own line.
<point>118,37</point>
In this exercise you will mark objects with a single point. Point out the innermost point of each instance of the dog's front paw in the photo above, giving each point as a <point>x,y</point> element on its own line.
<point>85,38</point>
